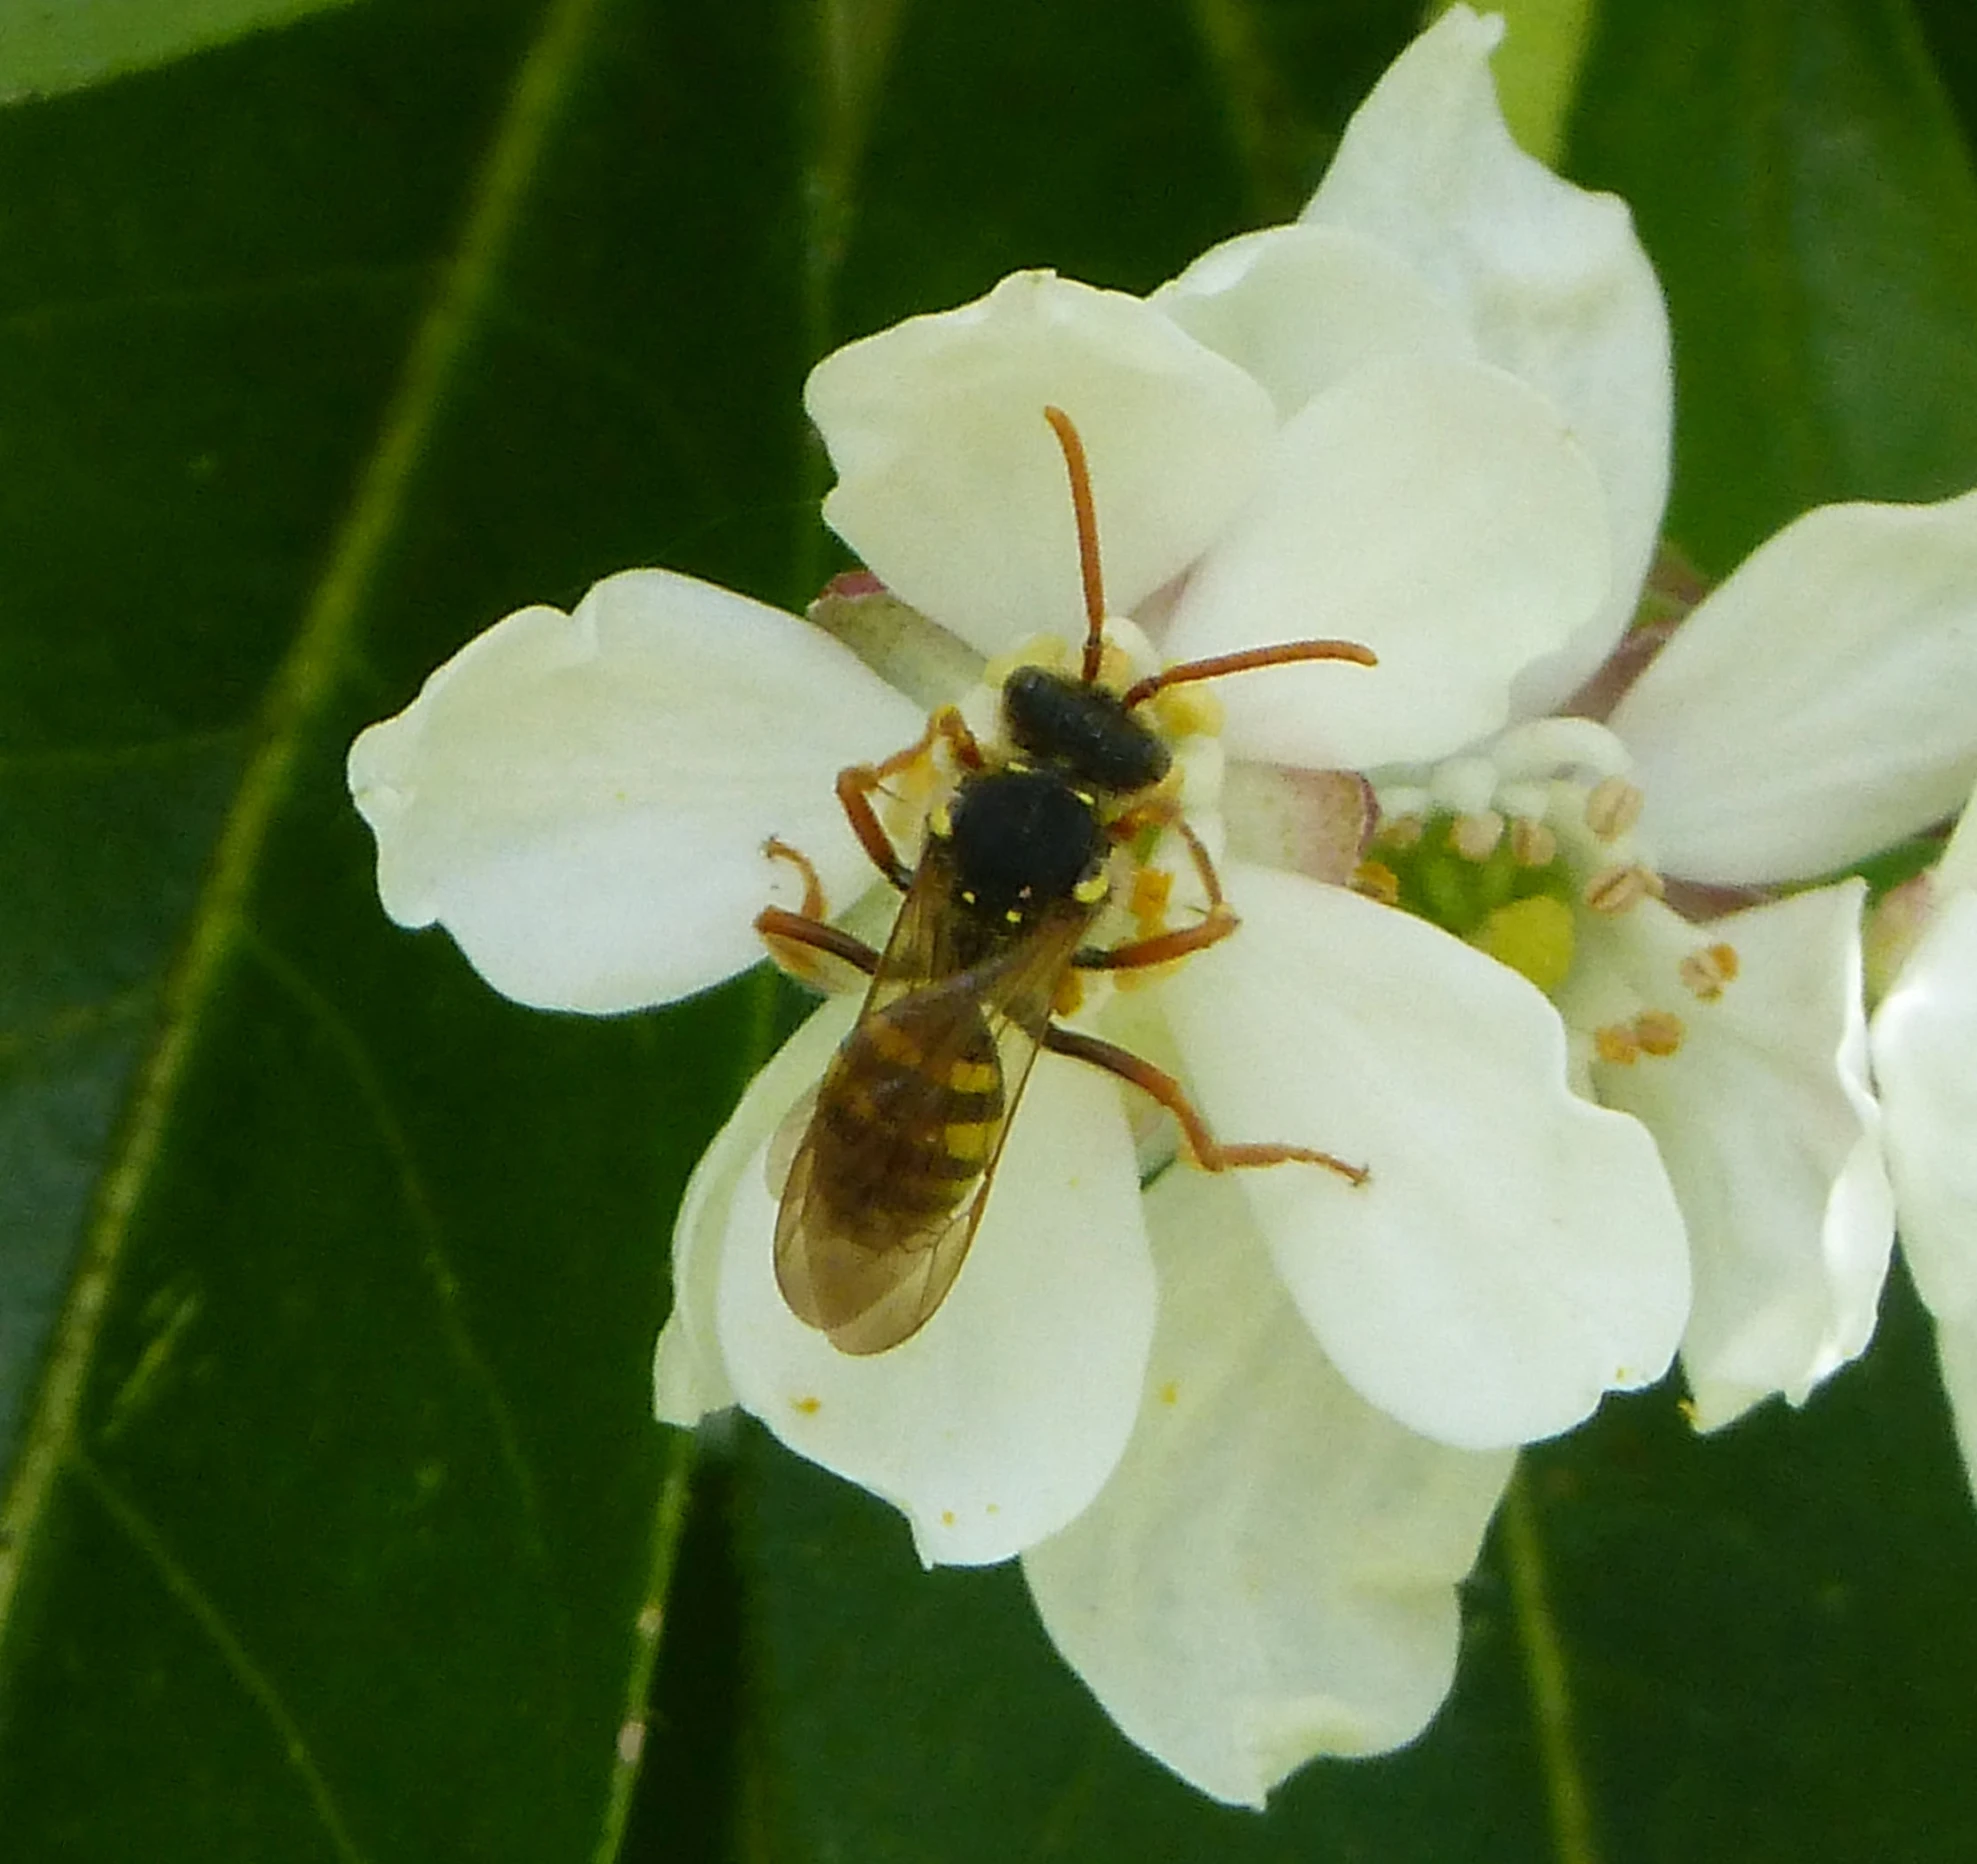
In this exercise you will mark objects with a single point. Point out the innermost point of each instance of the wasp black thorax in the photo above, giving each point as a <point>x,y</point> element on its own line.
<point>1032,833</point>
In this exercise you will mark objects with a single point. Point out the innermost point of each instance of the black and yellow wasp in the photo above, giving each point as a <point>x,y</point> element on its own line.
<point>888,1185</point>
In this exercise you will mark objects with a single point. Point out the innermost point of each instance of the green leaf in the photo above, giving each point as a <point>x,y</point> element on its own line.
<point>334,1506</point>
<point>1800,178</point>
<point>51,46</point>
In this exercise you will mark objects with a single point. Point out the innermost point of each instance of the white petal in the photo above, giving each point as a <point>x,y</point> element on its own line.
<point>1819,705</point>
<point>1002,1417</point>
<point>1550,279</point>
<point>581,800</point>
<point>1958,867</point>
<point>1771,1136</point>
<point>951,485</point>
<point>1271,1572</point>
<point>1925,1063</point>
<point>1434,510</point>
<point>689,1373</point>
<point>1956,1358</point>
<point>1298,307</point>
<point>1517,1251</point>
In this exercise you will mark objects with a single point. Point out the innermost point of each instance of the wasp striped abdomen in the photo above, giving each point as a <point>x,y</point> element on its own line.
<point>907,1123</point>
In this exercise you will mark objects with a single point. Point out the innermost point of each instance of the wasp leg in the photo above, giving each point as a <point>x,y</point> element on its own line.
<point>856,783</point>
<point>1207,1151</point>
<point>1164,947</point>
<point>792,938</point>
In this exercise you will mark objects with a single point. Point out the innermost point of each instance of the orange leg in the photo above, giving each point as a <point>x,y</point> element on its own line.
<point>792,938</point>
<point>1206,1150</point>
<point>790,935</point>
<point>856,783</point>
<point>1165,947</point>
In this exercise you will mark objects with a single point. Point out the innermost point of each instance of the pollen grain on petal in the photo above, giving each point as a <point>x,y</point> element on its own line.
<point>808,1405</point>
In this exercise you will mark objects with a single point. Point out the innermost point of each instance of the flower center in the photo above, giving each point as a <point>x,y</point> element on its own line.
<point>1528,850</point>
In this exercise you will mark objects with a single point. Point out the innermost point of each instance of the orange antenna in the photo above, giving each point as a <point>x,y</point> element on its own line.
<point>1081,505</point>
<point>1283,653</point>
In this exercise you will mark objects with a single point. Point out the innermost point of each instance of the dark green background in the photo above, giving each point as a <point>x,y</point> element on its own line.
<point>359,1526</point>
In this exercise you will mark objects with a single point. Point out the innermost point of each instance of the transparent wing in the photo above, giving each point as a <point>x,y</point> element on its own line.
<point>888,1186</point>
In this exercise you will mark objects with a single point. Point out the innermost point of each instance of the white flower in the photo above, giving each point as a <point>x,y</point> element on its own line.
<point>1431,417</point>
<point>1924,1038</point>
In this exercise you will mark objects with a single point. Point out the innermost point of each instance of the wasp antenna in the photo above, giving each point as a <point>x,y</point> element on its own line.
<point>1283,653</point>
<point>1081,506</point>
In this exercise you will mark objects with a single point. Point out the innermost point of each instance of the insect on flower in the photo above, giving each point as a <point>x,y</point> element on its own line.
<point>888,1185</point>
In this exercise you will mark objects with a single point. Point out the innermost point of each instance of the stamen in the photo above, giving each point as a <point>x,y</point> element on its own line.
<point>1613,807</point>
<point>1548,746</point>
<point>1659,1032</point>
<point>1401,832</point>
<point>1464,785</point>
<point>1615,1043</point>
<point>1532,843</point>
<point>1377,881</point>
<point>1705,972</point>
<point>1616,890</point>
<point>1475,837</point>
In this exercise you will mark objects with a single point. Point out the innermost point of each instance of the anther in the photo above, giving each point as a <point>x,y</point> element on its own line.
<point>1616,890</point>
<point>1401,832</point>
<point>1475,837</point>
<point>1705,971</point>
<point>1532,843</point>
<point>1613,806</point>
<point>1377,881</point>
<point>1616,1043</point>
<point>1659,1032</point>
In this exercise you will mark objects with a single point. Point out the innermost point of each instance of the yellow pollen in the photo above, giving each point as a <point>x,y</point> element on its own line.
<point>1613,807</point>
<point>1153,887</point>
<point>1534,937</point>
<point>1402,832</point>
<point>1615,1043</point>
<point>947,1517</point>
<point>1377,881</point>
<point>1186,712</point>
<point>1705,972</point>
<point>1170,1393</point>
<point>1532,843</point>
<point>1616,890</point>
<point>1659,1032</point>
<point>809,1406</point>
<point>940,825</point>
<point>1475,837</point>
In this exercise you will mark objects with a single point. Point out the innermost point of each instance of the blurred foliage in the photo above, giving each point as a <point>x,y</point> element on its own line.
<point>335,1525</point>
